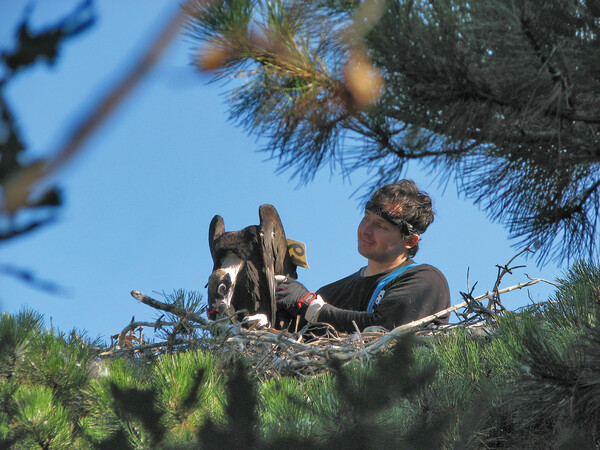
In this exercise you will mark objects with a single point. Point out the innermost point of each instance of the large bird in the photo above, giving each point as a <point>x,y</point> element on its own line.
<point>245,265</point>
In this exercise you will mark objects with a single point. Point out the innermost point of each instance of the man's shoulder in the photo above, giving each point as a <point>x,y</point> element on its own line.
<point>425,273</point>
<point>426,268</point>
<point>352,277</point>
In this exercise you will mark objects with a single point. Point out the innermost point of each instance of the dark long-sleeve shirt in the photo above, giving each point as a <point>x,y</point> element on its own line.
<point>418,292</point>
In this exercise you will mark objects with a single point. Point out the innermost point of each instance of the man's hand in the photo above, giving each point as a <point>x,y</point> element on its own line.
<point>296,299</point>
<point>291,296</point>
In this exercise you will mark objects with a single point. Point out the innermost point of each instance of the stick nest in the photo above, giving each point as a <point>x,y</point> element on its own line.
<point>307,352</point>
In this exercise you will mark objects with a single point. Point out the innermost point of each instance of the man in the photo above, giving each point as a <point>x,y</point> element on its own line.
<point>392,289</point>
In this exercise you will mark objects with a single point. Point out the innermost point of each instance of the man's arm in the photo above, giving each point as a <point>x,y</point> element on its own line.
<point>342,319</point>
<point>419,292</point>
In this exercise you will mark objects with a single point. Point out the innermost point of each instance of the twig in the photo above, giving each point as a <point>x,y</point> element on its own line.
<point>490,294</point>
<point>556,285</point>
<point>494,301</point>
<point>362,344</point>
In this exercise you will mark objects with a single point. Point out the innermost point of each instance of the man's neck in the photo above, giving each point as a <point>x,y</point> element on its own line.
<point>377,267</point>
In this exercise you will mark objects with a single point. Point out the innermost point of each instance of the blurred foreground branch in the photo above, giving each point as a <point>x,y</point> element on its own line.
<point>23,183</point>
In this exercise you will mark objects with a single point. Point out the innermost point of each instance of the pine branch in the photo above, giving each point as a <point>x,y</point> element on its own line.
<point>482,90</point>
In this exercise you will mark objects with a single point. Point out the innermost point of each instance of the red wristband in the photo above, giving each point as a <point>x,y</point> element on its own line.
<point>301,301</point>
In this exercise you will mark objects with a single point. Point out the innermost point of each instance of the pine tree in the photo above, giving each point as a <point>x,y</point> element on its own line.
<point>501,95</point>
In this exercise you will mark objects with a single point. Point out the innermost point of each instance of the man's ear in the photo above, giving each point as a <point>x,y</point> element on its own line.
<point>411,240</point>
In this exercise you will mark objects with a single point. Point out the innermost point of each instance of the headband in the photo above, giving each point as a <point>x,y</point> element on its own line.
<point>405,227</point>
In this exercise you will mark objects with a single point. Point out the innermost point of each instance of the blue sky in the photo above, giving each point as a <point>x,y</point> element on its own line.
<point>140,196</point>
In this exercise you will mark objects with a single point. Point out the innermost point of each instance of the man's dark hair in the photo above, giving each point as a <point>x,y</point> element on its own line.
<point>404,200</point>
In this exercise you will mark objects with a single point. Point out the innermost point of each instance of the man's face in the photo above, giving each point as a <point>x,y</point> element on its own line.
<point>378,239</point>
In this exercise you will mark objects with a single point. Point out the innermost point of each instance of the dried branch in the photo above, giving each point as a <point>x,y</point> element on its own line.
<point>119,338</point>
<point>494,301</point>
<point>362,344</point>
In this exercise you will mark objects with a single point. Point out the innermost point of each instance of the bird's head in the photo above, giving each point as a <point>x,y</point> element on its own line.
<point>221,284</point>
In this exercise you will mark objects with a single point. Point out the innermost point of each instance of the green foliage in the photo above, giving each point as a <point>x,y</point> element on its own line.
<point>189,391</point>
<point>471,368</point>
<point>225,18</point>
<point>365,396</point>
<point>575,305</point>
<point>555,391</point>
<point>136,404</point>
<point>530,382</point>
<point>64,364</point>
<point>102,421</point>
<point>40,420</point>
<point>40,368</point>
<point>239,427</point>
<point>16,336</point>
<point>349,409</point>
<point>297,409</point>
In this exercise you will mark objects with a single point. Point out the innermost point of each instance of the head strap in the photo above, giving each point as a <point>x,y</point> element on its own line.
<point>405,227</point>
